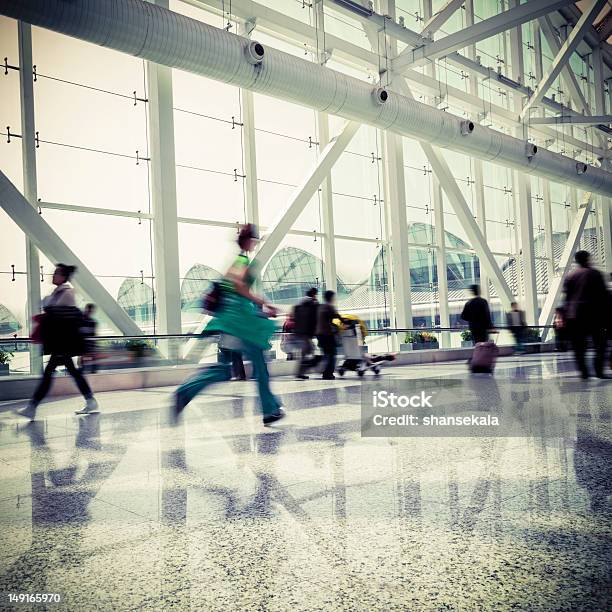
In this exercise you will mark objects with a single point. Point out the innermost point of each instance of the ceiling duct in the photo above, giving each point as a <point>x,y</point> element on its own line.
<point>156,34</point>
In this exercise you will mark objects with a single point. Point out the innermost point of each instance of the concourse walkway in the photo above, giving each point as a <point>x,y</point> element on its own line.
<point>121,511</point>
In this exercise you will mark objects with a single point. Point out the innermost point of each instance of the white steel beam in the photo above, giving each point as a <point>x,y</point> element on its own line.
<point>573,240</point>
<point>569,46</point>
<point>163,180</point>
<point>395,201</point>
<point>436,21</point>
<point>572,119</point>
<point>428,52</point>
<point>466,218</point>
<point>313,86</point>
<point>481,209</point>
<point>569,78</point>
<point>249,144</point>
<point>287,28</point>
<point>604,205</point>
<point>395,207</point>
<point>522,195</point>
<point>548,232</point>
<point>327,203</point>
<point>280,228</point>
<point>30,189</point>
<point>48,242</point>
<point>305,191</point>
<point>438,206</point>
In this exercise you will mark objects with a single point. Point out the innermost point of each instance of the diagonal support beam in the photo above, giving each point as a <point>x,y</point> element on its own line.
<point>567,73</point>
<point>436,21</point>
<point>465,216</point>
<point>569,46</point>
<point>48,242</point>
<point>573,119</point>
<point>285,220</point>
<point>514,17</point>
<point>573,240</point>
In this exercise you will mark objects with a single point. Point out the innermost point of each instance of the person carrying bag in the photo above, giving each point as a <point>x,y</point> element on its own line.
<point>241,319</point>
<point>59,331</point>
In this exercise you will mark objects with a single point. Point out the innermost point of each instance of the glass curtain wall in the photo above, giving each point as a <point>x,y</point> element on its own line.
<point>94,185</point>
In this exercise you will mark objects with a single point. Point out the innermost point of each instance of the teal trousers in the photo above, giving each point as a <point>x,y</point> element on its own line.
<point>222,371</point>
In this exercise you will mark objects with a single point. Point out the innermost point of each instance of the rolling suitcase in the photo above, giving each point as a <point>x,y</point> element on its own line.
<point>484,358</point>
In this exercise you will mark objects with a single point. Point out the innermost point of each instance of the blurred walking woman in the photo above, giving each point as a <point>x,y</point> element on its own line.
<point>61,338</point>
<point>241,319</point>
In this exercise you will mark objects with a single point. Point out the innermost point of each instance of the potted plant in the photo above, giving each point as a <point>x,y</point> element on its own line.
<point>407,344</point>
<point>139,349</point>
<point>532,336</point>
<point>466,338</point>
<point>422,340</point>
<point>5,358</point>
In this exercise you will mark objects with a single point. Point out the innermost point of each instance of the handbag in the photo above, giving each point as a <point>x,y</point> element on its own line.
<point>37,328</point>
<point>211,302</point>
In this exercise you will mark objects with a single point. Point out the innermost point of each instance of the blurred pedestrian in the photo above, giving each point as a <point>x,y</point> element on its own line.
<point>88,331</point>
<point>478,316</point>
<point>515,320</point>
<point>560,329</point>
<point>587,313</point>
<point>305,326</point>
<point>241,317</point>
<point>326,333</point>
<point>61,337</point>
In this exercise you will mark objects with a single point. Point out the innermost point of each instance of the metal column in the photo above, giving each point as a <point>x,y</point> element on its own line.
<point>30,191</point>
<point>249,142</point>
<point>523,192</point>
<point>604,205</point>
<point>395,203</point>
<point>163,178</point>
<point>327,204</point>
<point>548,222</point>
<point>481,212</point>
<point>438,205</point>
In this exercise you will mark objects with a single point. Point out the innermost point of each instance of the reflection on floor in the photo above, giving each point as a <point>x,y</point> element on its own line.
<point>120,511</point>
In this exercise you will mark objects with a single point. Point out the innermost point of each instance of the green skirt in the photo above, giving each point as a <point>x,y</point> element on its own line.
<point>239,317</point>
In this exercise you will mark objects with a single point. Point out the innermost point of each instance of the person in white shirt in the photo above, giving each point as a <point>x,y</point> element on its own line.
<point>61,339</point>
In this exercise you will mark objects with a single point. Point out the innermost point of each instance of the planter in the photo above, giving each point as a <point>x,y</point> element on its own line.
<point>467,343</point>
<point>4,369</point>
<point>420,346</point>
<point>405,347</point>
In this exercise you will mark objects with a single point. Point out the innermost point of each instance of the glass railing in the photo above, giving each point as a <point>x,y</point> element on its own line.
<point>108,353</point>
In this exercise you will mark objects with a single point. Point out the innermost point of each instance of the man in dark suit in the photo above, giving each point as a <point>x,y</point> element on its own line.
<point>476,313</point>
<point>586,310</point>
<point>305,325</point>
<point>326,332</point>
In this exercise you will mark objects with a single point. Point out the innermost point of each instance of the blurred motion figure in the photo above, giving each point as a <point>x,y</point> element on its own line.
<point>241,318</point>
<point>61,337</point>
<point>587,313</point>
<point>476,313</point>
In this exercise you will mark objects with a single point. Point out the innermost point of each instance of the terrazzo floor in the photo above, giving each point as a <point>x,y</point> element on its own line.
<point>121,511</point>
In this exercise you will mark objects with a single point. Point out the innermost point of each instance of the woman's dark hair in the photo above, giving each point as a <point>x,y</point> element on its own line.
<point>247,232</point>
<point>65,270</point>
<point>328,296</point>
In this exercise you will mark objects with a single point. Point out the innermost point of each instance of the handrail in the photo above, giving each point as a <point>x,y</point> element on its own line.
<point>373,331</point>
